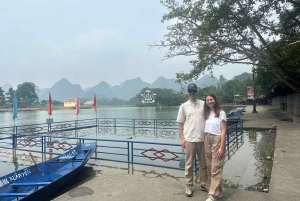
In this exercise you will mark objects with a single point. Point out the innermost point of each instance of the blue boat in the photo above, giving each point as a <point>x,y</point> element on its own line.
<point>234,115</point>
<point>241,109</point>
<point>41,180</point>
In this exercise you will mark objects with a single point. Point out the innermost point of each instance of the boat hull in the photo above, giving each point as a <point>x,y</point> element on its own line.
<point>43,179</point>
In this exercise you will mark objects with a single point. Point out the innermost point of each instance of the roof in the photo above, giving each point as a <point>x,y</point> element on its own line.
<point>70,100</point>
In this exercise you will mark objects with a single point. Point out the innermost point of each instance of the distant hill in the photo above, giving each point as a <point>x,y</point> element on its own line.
<point>207,81</point>
<point>63,89</point>
<point>162,82</point>
<point>102,90</point>
<point>6,87</point>
<point>131,87</point>
<point>243,76</point>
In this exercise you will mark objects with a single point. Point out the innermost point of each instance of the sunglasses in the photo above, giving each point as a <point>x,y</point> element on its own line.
<point>192,91</point>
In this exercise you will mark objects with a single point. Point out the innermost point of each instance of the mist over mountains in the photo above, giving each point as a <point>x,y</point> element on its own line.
<point>63,89</point>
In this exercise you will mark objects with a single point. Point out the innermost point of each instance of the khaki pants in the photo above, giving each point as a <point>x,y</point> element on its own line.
<point>193,148</point>
<point>214,164</point>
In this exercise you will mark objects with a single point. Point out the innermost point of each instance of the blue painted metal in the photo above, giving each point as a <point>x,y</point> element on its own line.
<point>39,181</point>
<point>126,151</point>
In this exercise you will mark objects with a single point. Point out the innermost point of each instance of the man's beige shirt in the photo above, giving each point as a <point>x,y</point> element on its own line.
<point>192,116</point>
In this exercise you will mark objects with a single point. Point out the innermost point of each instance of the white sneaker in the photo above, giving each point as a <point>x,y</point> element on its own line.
<point>211,198</point>
<point>189,190</point>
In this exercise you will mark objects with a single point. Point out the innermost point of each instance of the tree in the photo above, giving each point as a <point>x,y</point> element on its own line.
<point>26,92</point>
<point>9,95</point>
<point>220,32</point>
<point>2,97</point>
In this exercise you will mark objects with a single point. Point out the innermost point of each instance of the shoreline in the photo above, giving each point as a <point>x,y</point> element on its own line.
<point>72,108</point>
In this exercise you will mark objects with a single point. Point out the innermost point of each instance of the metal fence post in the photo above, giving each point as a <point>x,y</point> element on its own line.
<point>133,130</point>
<point>115,125</point>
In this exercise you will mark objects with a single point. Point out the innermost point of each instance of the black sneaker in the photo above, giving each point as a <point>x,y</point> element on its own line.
<point>204,188</point>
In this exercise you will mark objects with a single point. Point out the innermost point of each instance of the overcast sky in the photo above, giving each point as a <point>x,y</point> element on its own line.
<point>86,42</point>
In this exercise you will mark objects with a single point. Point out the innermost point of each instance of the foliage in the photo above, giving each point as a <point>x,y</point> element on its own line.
<point>167,97</point>
<point>2,97</point>
<point>26,92</point>
<point>114,101</point>
<point>234,31</point>
<point>9,95</point>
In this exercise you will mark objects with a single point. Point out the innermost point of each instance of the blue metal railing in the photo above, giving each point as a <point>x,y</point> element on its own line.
<point>169,155</point>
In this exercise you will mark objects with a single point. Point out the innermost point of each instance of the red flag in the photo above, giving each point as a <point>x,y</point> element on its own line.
<point>77,105</point>
<point>50,105</point>
<point>95,103</point>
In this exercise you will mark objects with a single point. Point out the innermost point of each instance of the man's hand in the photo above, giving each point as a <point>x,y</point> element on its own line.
<point>183,144</point>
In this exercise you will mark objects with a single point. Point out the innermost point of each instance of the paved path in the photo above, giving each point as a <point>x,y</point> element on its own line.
<point>284,185</point>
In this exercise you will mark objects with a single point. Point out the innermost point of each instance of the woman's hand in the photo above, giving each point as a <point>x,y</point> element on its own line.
<point>220,153</point>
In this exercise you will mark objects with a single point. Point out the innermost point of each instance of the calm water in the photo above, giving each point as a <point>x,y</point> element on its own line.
<point>40,116</point>
<point>250,162</point>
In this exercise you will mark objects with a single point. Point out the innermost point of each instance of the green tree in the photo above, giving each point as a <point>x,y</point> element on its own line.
<point>233,31</point>
<point>2,97</point>
<point>26,92</point>
<point>9,95</point>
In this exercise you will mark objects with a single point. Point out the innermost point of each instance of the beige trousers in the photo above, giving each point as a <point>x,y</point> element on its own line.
<point>192,149</point>
<point>214,164</point>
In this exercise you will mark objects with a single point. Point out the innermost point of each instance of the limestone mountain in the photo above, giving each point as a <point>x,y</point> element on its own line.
<point>131,87</point>
<point>63,90</point>
<point>6,87</point>
<point>102,90</point>
<point>163,82</point>
<point>243,76</point>
<point>207,81</point>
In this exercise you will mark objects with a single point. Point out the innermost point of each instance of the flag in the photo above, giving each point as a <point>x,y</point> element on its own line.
<point>50,105</point>
<point>95,103</point>
<point>77,105</point>
<point>15,107</point>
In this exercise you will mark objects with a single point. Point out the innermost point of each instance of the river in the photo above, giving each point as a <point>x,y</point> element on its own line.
<point>40,116</point>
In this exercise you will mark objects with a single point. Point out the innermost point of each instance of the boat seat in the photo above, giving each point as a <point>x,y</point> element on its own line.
<point>14,194</point>
<point>29,184</point>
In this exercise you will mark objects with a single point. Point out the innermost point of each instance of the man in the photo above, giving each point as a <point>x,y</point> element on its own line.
<point>191,129</point>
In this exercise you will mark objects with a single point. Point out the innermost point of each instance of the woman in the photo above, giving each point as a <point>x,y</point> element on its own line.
<point>214,144</point>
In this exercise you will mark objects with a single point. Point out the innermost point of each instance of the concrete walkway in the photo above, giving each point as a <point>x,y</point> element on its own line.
<point>284,185</point>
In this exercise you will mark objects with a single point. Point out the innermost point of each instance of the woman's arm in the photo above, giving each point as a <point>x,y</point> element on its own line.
<point>221,150</point>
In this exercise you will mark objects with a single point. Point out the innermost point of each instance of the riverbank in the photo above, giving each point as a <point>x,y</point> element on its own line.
<point>284,184</point>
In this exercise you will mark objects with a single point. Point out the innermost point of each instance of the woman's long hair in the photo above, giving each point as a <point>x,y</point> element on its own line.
<point>217,108</point>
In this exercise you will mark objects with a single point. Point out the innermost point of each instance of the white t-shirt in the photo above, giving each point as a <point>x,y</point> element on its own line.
<point>213,124</point>
<point>192,116</point>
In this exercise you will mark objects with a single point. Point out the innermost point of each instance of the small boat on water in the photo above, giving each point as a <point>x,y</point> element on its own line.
<point>39,181</point>
<point>234,114</point>
<point>241,109</point>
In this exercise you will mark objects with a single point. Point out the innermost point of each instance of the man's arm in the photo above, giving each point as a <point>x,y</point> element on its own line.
<point>181,135</point>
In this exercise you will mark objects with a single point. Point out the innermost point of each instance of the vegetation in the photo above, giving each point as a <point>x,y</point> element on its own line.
<point>26,93</point>
<point>2,97</point>
<point>260,33</point>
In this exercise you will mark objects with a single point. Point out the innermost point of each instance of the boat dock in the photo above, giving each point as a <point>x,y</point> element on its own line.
<point>284,184</point>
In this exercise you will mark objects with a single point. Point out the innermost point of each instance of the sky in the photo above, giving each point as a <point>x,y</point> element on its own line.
<point>86,42</point>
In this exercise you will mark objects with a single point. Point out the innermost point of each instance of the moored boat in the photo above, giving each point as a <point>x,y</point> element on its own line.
<point>39,181</point>
<point>234,114</point>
